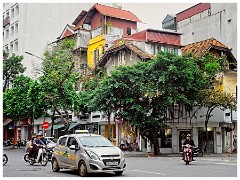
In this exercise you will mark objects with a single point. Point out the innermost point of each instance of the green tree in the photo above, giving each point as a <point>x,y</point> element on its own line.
<point>59,79</point>
<point>212,99</point>
<point>22,102</point>
<point>12,66</point>
<point>143,93</point>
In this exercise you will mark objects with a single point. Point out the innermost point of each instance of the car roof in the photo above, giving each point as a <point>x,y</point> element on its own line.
<point>79,135</point>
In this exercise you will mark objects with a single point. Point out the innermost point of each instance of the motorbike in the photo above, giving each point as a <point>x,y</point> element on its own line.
<point>126,147</point>
<point>41,158</point>
<point>197,151</point>
<point>5,159</point>
<point>187,153</point>
<point>8,142</point>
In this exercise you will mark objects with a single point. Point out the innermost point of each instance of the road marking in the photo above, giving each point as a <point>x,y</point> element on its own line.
<point>228,164</point>
<point>149,172</point>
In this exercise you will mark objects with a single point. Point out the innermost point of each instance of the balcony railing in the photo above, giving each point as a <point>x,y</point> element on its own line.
<point>6,21</point>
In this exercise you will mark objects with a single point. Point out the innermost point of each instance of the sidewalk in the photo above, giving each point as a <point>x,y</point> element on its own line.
<point>146,154</point>
<point>134,153</point>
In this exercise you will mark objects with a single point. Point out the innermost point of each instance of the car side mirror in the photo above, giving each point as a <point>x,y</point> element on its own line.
<point>73,147</point>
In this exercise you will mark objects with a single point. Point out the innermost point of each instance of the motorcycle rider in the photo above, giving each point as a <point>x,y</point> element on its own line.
<point>37,142</point>
<point>31,146</point>
<point>188,141</point>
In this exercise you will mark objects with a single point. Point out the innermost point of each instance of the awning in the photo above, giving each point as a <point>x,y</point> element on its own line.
<point>7,121</point>
<point>72,125</point>
<point>56,126</point>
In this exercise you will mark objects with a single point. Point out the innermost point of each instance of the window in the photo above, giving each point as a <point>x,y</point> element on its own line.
<point>16,46</point>
<point>12,12</point>
<point>123,58</point>
<point>175,50</point>
<point>16,28</point>
<point>12,30</point>
<point>62,141</point>
<point>7,33</point>
<point>7,14</point>
<point>11,48</point>
<point>165,49</point>
<point>17,10</point>
<point>166,138</point>
<point>128,31</point>
<point>6,48</point>
<point>72,141</point>
<point>96,56</point>
<point>171,50</point>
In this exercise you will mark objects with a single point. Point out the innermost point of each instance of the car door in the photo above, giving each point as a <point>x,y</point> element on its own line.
<point>72,154</point>
<point>60,151</point>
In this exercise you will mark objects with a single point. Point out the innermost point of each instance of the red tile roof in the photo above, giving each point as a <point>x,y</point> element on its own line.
<point>115,12</point>
<point>151,35</point>
<point>200,48</point>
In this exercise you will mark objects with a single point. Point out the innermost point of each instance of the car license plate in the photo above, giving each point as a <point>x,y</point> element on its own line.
<point>112,163</point>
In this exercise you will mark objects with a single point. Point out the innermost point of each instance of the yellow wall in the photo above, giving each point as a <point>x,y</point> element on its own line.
<point>93,44</point>
<point>230,82</point>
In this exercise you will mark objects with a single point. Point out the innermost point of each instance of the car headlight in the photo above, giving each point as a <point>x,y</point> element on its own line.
<point>92,155</point>
<point>122,155</point>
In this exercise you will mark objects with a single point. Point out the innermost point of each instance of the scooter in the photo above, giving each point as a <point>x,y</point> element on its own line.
<point>126,147</point>
<point>41,158</point>
<point>187,153</point>
<point>5,159</point>
<point>197,151</point>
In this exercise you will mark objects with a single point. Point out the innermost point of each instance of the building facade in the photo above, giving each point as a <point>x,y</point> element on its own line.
<point>30,27</point>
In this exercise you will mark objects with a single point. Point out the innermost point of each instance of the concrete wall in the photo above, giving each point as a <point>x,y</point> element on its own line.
<point>40,24</point>
<point>221,24</point>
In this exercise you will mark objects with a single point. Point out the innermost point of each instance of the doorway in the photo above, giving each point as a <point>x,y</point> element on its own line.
<point>182,137</point>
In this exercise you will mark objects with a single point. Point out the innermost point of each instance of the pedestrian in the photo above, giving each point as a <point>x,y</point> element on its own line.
<point>19,142</point>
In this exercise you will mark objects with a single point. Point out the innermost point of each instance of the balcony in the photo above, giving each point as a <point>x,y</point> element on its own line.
<point>6,21</point>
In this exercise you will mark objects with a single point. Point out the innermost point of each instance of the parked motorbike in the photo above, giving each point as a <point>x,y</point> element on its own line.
<point>197,151</point>
<point>41,158</point>
<point>126,147</point>
<point>5,159</point>
<point>8,142</point>
<point>187,153</point>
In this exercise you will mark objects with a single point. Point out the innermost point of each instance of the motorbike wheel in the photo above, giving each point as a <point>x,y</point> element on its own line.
<point>130,148</point>
<point>26,157</point>
<point>31,162</point>
<point>44,159</point>
<point>5,159</point>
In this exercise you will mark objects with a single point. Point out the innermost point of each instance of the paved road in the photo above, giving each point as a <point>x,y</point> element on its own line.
<point>136,167</point>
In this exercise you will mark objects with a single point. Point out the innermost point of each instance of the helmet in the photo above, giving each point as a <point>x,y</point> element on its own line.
<point>39,134</point>
<point>189,135</point>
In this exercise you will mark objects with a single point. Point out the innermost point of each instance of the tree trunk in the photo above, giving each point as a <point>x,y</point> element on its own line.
<point>206,137</point>
<point>154,141</point>
<point>109,118</point>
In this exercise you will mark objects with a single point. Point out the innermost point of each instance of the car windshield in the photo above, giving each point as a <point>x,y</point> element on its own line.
<point>95,141</point>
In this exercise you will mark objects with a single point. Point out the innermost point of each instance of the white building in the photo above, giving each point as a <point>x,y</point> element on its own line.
<point>29,27</point>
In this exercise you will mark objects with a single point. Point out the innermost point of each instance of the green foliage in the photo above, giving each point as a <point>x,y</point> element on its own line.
<point>59,79</point>
<point>12,66</point>
<point>23,101</point>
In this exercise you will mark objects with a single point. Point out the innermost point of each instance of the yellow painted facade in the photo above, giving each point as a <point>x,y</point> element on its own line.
<point>96,43</point>
<point>230,82</point>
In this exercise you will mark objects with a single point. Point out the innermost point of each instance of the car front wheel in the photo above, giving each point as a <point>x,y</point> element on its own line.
<point>82,169</point>
<point>55,166</point>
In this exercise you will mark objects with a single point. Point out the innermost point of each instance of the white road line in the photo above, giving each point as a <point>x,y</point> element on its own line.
<point>149,172</point>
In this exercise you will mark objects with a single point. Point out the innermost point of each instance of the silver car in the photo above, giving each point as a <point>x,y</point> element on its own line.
<point>87,153</point>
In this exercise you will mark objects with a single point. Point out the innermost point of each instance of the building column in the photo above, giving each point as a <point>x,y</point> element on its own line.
<point>195,136</point>
<point>218,140</point>
<point>175,140</point>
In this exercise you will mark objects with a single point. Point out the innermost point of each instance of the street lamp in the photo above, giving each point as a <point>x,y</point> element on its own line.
<point>33,55</point>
